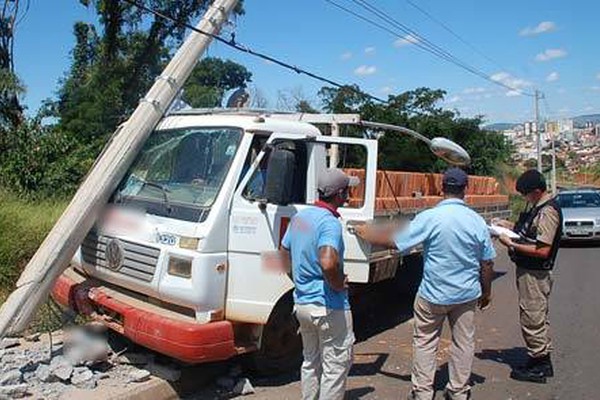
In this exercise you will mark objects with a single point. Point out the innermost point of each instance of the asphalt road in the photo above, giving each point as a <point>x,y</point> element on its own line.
<point>383,353</point>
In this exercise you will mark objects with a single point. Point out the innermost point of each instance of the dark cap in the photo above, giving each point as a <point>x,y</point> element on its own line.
<point>455,177</point>
<point>333,180</point>
<point>529,181</point>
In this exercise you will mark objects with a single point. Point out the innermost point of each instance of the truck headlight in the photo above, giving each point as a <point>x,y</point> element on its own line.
<point>179,266</point>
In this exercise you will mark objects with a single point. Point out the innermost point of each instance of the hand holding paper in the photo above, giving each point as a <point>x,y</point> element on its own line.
<point>496,230</point>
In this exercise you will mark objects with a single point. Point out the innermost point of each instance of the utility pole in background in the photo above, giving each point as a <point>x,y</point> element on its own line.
<point>536,98</point>
<point>553,165</point>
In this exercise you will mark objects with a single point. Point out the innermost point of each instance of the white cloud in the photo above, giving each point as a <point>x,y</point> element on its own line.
<point>498,76</point>
<point>565,110</point>
<point>487,95</point>
<point>454,99</point>
<point>474,90</point>
<point>346,56</point>
<point>598,76</point>
<point>364,70</point>
<point>588,108</point>
<point>552,77</point>
<point>542,27</point>
<point>386,90</point>
<point>406,41</point>
<point>370,51</point>
<point>551,54</point>
<point>561,91</point>
<point>517,84</point>
<point>597,88</point>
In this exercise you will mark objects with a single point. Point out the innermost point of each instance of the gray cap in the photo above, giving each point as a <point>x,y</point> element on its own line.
<point>333,180</point>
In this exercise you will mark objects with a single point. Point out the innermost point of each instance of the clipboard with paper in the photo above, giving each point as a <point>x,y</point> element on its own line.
<point>496,231</point>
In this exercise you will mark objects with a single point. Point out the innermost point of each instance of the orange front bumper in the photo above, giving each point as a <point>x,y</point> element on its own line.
<point>181,339</point>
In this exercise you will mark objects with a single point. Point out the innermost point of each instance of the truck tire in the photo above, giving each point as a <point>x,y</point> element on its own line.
<point>281,344</point>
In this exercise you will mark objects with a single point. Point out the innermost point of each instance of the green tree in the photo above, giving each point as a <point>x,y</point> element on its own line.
<point>211,78</point>
<point>11,111</point>
<point>419,110</point>
<point>114,66</point>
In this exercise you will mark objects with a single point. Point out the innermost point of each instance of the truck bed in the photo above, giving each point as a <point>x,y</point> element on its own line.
<point>400,192</point>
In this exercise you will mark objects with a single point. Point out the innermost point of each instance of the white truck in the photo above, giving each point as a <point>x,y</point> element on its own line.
<point>176,263</point>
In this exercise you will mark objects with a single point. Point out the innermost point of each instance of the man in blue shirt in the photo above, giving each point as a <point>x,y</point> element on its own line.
<point>314,244</point>
<point>457,274</point>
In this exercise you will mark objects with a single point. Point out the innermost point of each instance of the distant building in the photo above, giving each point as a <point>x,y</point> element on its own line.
<point>566,125</point>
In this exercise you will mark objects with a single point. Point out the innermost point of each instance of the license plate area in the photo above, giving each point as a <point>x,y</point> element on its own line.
<point>579,232</point>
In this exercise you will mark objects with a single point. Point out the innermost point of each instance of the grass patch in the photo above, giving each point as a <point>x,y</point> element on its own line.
<point>23,226</point>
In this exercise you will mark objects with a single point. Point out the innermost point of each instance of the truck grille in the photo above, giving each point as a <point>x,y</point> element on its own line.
<point>136,260</point>
<point>579,223</point>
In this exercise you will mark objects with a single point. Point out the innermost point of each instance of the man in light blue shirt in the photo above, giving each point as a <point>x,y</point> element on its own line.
<point>457,273</point>
<point>313,243</point>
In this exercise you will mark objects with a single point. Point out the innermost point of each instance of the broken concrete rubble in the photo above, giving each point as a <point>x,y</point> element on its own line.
<point>243,387</point>
<point>42,369</point>
<point>83,378</point>
<point>139,375</point>
<point>42,373</point>
<point>9,342</point>
<point>61,368</point>
<point>12,377</point>
<point>13,391</point>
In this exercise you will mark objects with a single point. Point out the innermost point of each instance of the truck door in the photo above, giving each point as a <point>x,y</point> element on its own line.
<point>257,224</point>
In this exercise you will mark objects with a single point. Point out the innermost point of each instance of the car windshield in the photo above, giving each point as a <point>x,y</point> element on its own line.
<point>579,200</point>
<point>180,171</point>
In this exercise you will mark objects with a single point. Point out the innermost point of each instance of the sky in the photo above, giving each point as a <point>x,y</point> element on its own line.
<point>549,45</point>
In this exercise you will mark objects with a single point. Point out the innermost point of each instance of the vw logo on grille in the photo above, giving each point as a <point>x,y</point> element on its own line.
<point>114,254</point>
<point>578,223</point>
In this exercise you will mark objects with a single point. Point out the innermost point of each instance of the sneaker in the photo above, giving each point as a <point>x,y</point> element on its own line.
<point>536,370</point>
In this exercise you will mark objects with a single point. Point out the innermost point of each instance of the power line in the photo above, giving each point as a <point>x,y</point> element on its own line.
<point>420,41</point>
<point>233,44</point>
<point>453,33</point>
<point>438,49</point>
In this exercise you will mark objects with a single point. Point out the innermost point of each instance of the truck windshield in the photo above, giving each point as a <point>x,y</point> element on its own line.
<point>179,172</point>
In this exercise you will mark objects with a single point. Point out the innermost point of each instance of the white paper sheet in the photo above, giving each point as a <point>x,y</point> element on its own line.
<point>496,230</point>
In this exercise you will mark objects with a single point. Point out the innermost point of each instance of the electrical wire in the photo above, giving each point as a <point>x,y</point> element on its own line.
<point>453,33</point>
<point>420,41</point>
<point>245,49</point>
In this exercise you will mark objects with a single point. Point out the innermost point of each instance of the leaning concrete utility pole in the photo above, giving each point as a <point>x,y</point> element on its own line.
<point>53,256</point>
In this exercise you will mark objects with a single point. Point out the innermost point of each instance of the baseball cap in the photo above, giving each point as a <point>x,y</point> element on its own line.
<point>332,180</point>
<point>529,181</point>
<point>455,177</point>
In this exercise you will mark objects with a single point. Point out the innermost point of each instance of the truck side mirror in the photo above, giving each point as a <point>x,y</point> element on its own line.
<point>280,174</point>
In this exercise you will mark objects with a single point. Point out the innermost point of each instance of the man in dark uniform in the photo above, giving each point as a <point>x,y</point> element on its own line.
<point>540,228</point>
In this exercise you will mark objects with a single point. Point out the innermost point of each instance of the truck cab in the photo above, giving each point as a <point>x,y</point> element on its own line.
<point>176,261</point>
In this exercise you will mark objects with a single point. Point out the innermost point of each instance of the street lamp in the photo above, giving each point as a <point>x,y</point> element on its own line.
<point>444,148</point>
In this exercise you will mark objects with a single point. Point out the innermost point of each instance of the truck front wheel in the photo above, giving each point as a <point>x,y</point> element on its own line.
<point>281,344</point>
